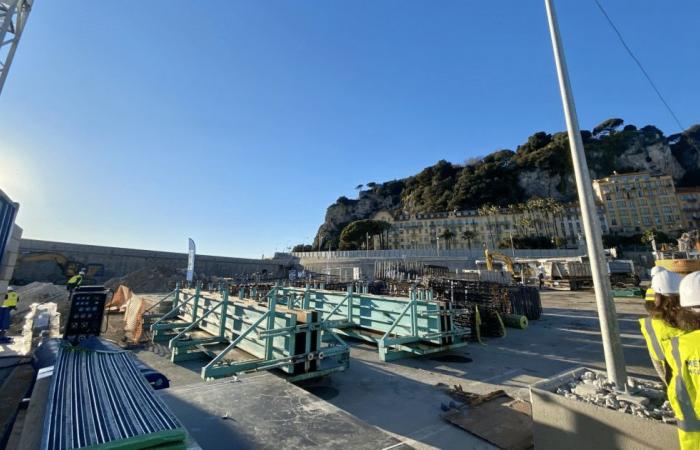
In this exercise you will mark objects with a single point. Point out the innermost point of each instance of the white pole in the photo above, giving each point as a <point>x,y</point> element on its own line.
<point>609,330</point>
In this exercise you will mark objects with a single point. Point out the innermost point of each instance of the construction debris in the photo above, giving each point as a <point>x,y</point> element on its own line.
<point>494,417</point>
<point>648,399</point>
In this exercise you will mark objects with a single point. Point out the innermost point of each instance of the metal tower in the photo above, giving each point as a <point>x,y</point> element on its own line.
<point>13,18</point>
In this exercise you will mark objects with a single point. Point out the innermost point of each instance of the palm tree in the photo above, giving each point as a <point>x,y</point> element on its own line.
<point>513,211</point>
<point>536,207</point>
<point>556,209</point>
<point>468,235</point>
<point>485,211</point>
<point>447,235</point>
<point>527,224</point>
<point>495,211</point>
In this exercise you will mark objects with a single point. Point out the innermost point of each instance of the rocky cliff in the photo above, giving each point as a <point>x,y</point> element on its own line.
<point>541,167</point>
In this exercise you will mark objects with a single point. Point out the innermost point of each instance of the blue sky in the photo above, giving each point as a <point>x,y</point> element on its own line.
<point>139,124</point>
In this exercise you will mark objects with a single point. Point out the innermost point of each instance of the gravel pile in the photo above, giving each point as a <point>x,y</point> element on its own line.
<point>647,399</point>
<point>148,279</point>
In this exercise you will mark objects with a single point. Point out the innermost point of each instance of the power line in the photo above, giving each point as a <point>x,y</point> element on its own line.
<point>639,64</point>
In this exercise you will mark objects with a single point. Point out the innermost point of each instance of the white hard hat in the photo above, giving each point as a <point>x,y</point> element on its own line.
<point>665,282</point>
<point>690,290</point>
<point>657,269</point>
<point>10,289</point>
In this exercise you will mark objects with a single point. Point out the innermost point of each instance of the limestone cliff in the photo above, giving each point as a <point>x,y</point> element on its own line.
<point>541,167</point>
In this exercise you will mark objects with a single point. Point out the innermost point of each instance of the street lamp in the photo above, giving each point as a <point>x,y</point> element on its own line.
<point>609,329</point>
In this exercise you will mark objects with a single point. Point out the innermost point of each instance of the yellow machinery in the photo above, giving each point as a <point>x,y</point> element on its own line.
<point>68,268</point>
<point>494,256</point>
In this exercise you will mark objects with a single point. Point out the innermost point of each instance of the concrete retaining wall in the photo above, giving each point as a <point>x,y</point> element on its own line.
<point>116,261</point>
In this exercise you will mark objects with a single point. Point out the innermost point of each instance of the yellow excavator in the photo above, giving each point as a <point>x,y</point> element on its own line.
<point>495,256</point>
<point>519,270</point>
<point>68,268</point>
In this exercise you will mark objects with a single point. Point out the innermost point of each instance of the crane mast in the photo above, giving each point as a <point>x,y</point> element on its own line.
<point>13,18</point>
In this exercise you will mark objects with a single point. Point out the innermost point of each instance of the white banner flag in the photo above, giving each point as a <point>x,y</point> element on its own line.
<point>190,261</point>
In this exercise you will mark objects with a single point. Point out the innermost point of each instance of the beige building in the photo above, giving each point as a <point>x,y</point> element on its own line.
<point>638,201</point>
<point>689,200</point>
<point>428,230</point>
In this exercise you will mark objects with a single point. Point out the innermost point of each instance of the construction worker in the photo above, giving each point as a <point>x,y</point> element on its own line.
<point>75,281</point>
<point>683,353</point>
<point>11,298</point>
<point>659,327</point>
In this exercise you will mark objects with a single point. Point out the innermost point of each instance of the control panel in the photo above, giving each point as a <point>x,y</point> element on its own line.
<point>87,304</point>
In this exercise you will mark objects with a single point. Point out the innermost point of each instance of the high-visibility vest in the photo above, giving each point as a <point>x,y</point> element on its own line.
<point>76,280</point>
<point>10,300</point>
<point>655,331</point>
<point>684,389</point>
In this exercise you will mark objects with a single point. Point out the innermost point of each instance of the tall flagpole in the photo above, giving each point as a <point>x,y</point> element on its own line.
<point>609,329</point>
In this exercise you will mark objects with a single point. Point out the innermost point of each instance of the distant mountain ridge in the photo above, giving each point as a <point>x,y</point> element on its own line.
<point>541,167</point>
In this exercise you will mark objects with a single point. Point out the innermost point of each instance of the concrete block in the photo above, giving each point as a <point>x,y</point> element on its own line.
<point>560,422</point>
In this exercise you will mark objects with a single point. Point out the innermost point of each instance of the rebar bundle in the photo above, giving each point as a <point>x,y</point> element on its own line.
<point>525,300</point>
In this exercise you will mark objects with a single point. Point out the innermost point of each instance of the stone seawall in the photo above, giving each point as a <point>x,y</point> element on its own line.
<point>46,261</point>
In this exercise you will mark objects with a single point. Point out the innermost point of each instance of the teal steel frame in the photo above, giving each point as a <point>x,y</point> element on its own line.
<point>264,336</point>
<point>399,326</point>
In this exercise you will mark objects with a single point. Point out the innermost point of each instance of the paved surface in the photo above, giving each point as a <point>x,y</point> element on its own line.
<point>264,411</point>
<point>403,397</point>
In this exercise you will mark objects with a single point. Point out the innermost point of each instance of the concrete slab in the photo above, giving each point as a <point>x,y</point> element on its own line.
<point>404,397</point>
<point>157,356</point>
<point>264,411</point>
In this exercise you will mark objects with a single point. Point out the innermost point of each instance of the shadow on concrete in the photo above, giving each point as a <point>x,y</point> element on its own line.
<point>263,411</point>
<point>407,407</point>
<point>157,356</point>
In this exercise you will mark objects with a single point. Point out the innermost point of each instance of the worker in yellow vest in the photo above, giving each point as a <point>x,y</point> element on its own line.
<point>683,353</point>
<point>11,298</point>
<point>658,327</point>
<point>75,281</point>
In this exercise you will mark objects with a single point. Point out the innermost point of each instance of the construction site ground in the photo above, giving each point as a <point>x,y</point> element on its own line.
<point>403,398</point>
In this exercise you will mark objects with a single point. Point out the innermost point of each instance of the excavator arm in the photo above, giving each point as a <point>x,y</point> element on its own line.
<point>491,257</point>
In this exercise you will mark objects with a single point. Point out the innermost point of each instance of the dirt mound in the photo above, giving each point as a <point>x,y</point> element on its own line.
<point>39,292</point>
<point>148,279</point>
